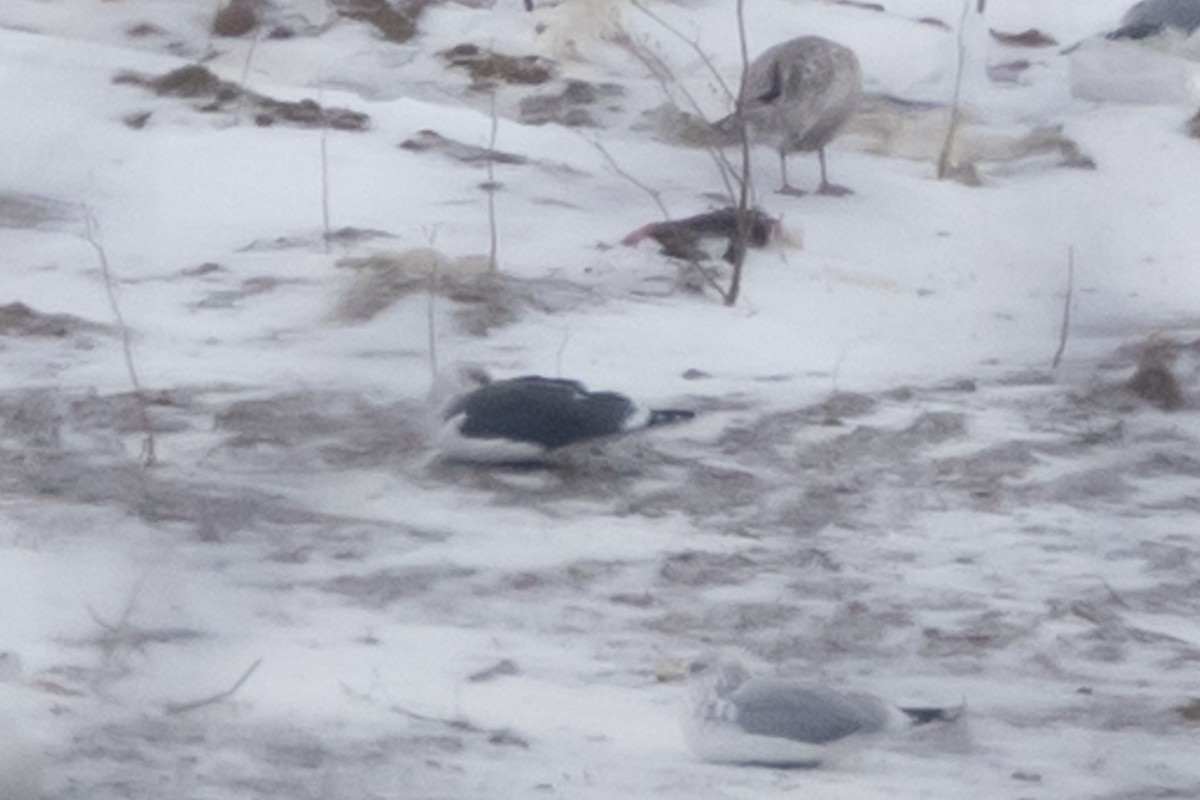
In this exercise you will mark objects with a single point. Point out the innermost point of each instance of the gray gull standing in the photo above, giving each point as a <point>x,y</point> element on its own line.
<point>796,97</point>
<point>735,718</point>
<point>522,420</point>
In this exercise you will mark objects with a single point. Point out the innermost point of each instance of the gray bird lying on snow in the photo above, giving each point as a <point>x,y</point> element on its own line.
<point>735,718</point>
<point>1151,17</point>
<point>522,420</point>
<point>796,97</point>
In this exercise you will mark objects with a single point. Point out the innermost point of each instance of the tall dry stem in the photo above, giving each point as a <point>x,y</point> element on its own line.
<point>1068,299</point>
<point>744,219</point>
<point>943,165</point>
<point>490,187</point>
<point>92,236</point>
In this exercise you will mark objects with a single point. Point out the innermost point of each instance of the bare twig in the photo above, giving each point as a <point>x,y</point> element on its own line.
<point>491,186</point>
<point>182,708</point>
<point>710,280</point>
<point>431,234</point>
<point>326,230</point>
<point>431,319</point>
<point>742,234</point>
<point>92,237</point>
<point>665,76</point>
<point>1116,597</point>
<point>691,43</point>
<point>1065,330</point>
<point>249,57</point>
<point>943,166</point>
<point>562,348</point>
<point>655,195</point>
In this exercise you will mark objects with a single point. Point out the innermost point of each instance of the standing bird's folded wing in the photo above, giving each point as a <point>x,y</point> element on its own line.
<point>797,96</point>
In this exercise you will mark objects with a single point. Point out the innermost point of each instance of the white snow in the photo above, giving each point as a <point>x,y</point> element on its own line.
<point>887,486</point>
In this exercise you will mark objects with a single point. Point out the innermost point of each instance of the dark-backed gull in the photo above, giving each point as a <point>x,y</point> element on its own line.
<point>522,420</point>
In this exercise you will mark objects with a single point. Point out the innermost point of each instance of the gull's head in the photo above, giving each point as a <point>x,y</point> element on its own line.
<point>720,675</point>
<point>453,382</point>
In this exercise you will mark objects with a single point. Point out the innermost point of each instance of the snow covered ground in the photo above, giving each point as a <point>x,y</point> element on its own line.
<point>887,487</point>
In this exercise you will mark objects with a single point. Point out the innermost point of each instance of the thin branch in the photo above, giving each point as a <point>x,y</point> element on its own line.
<point>710,280</point>
<point>491,186</point>
<point>326,230</point>
<point>655,195</point>
<point>92,237</point>
<point>182,708</point>
<point>431,332</point>
<point>662,73</point>
<point>562,348</point>
<point>1065,330</point>
<point>943,166</point>
<point>695,46</point>
<point>431,318</point>
<point>742,234</point>
<point>249,57</point>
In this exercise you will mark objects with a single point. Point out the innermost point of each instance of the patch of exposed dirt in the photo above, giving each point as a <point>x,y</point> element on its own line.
<point>570,105</point>
<point>382,588</point>
<point>298,431</point>
<point>20,321</point>
<point>432,141</point>
<point>488,68</point>
<point>196,83</point>
<point>395,21</point>
<point>32,211</point>
<point>484,300</point>
<point>230,298</point>
<point>140,756</point>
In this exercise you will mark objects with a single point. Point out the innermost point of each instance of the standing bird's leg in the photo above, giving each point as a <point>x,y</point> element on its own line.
<point>827,188</point>
<point>787,187</point>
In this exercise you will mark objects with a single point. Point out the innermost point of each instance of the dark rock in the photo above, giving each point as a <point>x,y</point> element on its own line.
<point>206,268</point>
<point>236,19</point>
<point>190,81</point>
<point>1031,37</point>
<point>137,120</point>
<point>143,30</point>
